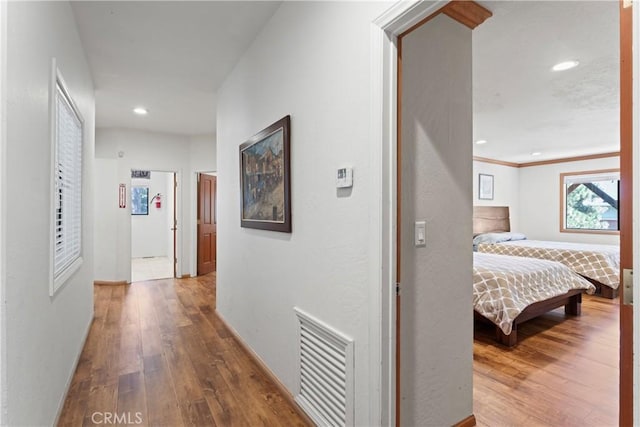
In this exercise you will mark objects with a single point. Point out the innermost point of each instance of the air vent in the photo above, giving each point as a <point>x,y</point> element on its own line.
<point>326,390</point>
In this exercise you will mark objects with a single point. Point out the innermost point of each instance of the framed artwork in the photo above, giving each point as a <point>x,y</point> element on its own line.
<point>139,200</point>
<point>265,179</point>
<point>485,187</point>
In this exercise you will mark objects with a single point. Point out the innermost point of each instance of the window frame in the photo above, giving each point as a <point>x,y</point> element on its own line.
<point>563,201</point>
<point>146,187</point>
<point>59,279</point>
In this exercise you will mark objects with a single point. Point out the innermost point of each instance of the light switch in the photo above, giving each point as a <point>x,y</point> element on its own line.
<point>420,233</point>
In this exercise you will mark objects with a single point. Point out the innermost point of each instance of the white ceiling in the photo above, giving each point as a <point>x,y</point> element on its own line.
<point>170,57</point>
<point>520,105</point>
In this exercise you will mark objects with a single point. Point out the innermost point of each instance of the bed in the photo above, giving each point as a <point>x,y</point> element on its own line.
<point>600,264</point>
<point>509,290</point>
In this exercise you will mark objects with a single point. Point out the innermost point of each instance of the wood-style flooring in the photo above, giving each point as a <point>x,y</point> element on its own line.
<point>157,353</point>
<point>563,372</point>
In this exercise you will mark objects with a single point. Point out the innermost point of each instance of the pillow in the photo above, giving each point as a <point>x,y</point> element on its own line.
<point>492,238</point>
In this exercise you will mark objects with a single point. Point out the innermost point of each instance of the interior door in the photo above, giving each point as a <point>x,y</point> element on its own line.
<point>626,211</point>
<point>207,224</point>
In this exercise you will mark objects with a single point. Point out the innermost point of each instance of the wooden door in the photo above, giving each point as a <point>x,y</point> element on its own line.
<point>207,224</point>
<point>626,213</point>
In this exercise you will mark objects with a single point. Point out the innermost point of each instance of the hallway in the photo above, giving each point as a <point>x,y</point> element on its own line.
<point>157,354</point>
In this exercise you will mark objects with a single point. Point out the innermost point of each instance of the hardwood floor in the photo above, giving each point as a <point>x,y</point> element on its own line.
<point>563,372</point>
<point>158,355</point>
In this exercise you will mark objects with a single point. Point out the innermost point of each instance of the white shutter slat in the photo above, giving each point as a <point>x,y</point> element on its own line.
<point>68,184</point>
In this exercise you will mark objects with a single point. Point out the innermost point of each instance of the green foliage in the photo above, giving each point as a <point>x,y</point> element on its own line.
<point>581,212</point>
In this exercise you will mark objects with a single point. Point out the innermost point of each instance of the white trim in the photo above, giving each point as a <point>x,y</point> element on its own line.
<point>3,213</point>
<point>57,81</point>
<point>384,77</point>
<point>194,218</point>
<point>636,214</point>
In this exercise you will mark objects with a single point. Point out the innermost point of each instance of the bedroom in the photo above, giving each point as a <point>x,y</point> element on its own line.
<point>543,139</point>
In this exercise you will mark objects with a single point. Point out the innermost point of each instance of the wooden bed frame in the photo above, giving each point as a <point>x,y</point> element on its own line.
<point>572,302</point>
<point>488,219</point>
<point>603,291</point>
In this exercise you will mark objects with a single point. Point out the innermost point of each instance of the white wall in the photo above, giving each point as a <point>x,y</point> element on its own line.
<point>149,233</point>
<point>44,334</point>
<point>506,188</point>
<point>106,219</point>
<point>157,152</point>
<point>203,153</point>
<point>436,322</point>
<point>312,61</point>
<point>539,211</point>
<point>3,203</point>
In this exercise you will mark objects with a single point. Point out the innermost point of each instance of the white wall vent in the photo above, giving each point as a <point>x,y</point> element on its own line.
<point>326,391</point>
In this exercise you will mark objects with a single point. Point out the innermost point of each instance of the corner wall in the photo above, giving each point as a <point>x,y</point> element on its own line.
<point>44,335</point>
<point>539,211</point>
<point>436,320</point>
<point>312,61</point>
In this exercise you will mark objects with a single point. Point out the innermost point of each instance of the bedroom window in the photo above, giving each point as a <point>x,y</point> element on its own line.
<point>590,201</point>
<point>67,137</point>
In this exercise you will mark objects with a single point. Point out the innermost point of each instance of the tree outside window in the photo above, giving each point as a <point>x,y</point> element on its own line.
<point>591,201</point>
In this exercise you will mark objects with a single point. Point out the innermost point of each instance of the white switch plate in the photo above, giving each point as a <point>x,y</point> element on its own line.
<point>344,178</point>
<point>420,234</point>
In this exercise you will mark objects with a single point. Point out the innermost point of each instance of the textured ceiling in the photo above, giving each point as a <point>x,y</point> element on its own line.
<point>170,57</point>
<point>520,105</point>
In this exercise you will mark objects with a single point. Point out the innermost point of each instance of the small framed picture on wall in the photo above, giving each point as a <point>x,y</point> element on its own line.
<point>485,187</point>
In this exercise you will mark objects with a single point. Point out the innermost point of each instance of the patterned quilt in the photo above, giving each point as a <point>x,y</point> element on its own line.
<point>598,262</point>
<point>503,286</point>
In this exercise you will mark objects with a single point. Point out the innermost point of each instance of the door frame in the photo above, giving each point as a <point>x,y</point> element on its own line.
<point>194,219</point>
<point>384,77</point>
<point>177,209</point>
<point>636,212</point>
<point>384,106</point>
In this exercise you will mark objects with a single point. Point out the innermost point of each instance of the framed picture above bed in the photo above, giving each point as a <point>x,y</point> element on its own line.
<point>265,179</point>
<point>485,187</point>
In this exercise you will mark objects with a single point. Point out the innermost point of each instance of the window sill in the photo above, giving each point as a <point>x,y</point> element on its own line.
<point>63,278</point>
<point>604,232</point>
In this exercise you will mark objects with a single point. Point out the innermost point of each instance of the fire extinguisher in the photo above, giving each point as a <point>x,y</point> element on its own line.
<point>158,200</point>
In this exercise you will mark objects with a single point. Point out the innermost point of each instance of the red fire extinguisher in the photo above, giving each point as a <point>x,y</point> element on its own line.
<point>158,200</point>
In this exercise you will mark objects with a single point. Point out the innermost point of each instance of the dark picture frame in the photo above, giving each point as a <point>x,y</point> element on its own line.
<point>485,186</point>
<point>265,179</point>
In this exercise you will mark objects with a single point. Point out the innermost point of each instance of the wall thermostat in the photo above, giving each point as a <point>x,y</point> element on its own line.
<point>344,178</point>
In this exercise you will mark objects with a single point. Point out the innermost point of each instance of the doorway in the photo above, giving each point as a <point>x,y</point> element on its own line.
<point>153,225</point>
<point>393,24</point>
<point>207,223</point>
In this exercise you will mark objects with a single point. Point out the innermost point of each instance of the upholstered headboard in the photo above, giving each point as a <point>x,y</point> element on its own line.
<point>487,219</point>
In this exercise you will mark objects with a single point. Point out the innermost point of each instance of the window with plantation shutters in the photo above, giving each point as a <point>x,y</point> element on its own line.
<point>67,186</point>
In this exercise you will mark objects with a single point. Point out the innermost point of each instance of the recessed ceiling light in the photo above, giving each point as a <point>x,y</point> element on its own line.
<point>536,153</point>
<point>566,65</point>
<point>481,141</point>
<point>141,111</point>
